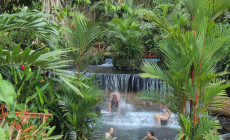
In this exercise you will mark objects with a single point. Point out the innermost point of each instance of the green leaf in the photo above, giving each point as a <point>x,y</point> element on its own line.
<point>2,134</point>
<point>53,137</point>
<point>7,92</point>
<point>74,88</point>
<point>36,93</point>
<point>51,131</point>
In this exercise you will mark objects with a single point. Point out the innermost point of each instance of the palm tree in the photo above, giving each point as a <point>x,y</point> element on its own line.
<point>78,112</point>
<point>81,37</point>
<point>190,65</point>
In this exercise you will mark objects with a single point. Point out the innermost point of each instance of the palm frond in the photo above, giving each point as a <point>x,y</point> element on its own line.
<point>214,97</point>
<point>24,20</point>
<point>46,60</point>
<point>154,71</point>
<point>190,59</point>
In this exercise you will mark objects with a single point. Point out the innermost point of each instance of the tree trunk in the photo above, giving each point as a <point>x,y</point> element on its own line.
<point>48,4</point>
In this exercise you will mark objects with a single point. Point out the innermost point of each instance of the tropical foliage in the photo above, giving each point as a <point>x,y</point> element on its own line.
<point>35,73</point>
<point>190,58</point>
<point>7,94</point>
<point>78,113</point>
<point>109,9</point>
<point>11,6</point>
<point>37,46</point>
<point>82,35</point>
<point>126,36</point>
<point>23,27</point>
<point>19,127</point>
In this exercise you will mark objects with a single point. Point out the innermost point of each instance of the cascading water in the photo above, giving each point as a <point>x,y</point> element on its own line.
<point>109,61</point>
<point>124,82</point>
<point>135,120</point>
<point>136,117</point>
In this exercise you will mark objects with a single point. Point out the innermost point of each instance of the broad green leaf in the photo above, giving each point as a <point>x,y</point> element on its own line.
<point>2,134</point>
<point>53,137</point>
<point>7,92</point>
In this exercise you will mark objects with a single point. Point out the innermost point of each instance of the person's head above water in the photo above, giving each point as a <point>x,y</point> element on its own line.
<point>115,94</point>
<point>150,134</point>
<point>111,130</point>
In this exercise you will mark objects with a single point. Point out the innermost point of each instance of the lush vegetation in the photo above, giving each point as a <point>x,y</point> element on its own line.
<point>190,49</point>
<point>32,72</point>
<point>40,40</point>
<point>126,38</point>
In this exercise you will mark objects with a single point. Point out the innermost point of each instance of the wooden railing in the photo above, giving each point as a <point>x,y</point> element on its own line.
<point>101,46</point>
<point>28,115</point>
<point>44,116</point>
<point>150,54</point>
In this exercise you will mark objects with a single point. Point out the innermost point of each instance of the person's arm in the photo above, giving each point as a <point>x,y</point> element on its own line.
<point>169,112</point>
<point>155,138</point>
<point>119,104</point>
<point>110,100</point>
<point>145,138</point>
<point>118,112</point>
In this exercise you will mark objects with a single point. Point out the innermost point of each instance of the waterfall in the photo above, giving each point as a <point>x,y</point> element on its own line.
<point>125,82</point>
<point>109,61</point>
<point>136,117</point>
<point>150,59</point>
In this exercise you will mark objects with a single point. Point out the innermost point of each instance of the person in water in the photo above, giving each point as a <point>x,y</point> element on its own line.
<point>150,136</point>
<point>165,116</point>
<point>114,102</point>
<point>108,135</point>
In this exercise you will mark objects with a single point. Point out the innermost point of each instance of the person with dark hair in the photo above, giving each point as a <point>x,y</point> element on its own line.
<point>114,102</point>
<point>108,135</point>
<point>150,136</point>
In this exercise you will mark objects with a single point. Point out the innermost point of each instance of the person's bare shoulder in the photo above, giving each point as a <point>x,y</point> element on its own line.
<point>107,135</point>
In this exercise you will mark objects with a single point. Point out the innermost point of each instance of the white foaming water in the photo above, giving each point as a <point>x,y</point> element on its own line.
<point>150,59</point>
<point>131,117</point>
<point>134,119</point>
<point>109,61</point>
